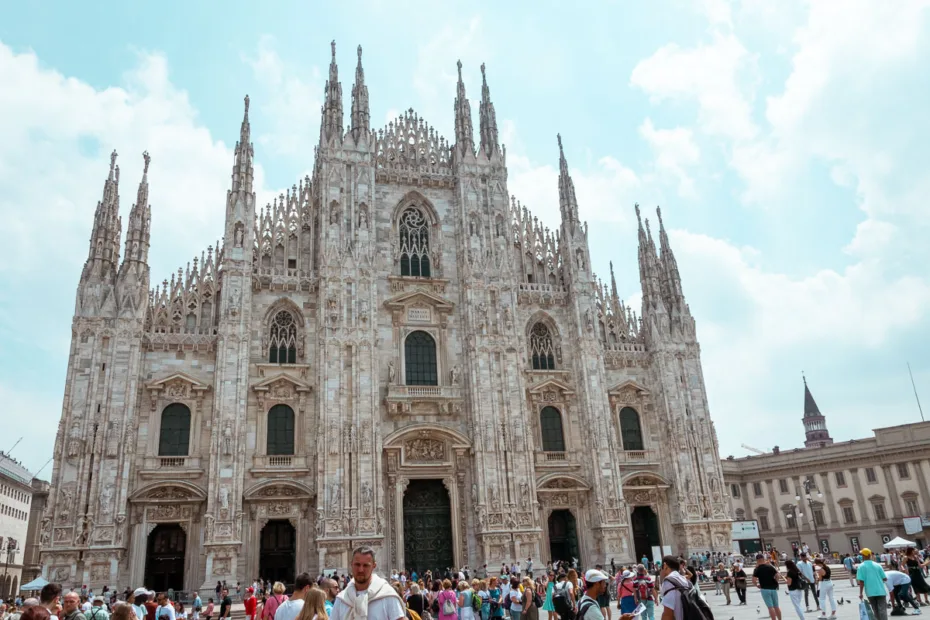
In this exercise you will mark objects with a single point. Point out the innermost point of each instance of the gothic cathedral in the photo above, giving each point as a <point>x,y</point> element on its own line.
<point>393,353</point>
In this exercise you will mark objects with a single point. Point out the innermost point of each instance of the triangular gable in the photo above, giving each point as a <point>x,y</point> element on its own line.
<point>265,384</point>
<point>402,300</point>
<point>158,384</point>
<point>628,385</point>
<point>550,384</point>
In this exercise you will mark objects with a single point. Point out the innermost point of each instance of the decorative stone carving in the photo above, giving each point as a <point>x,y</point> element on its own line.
<point>424,450</point>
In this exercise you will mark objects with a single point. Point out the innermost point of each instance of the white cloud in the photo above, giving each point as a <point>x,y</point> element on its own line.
<point>58,133</point>
<point>290,104</point>
<point>675,151</point>
<point>719,75</point>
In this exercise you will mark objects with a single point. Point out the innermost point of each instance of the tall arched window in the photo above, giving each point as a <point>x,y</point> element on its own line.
<point>282,348</point>
<point>542,350</point>
<point>420,359</point>
<point>414,244</point>
<point>631,433</point>
<point>281,430</point>
<point>175,434</point>
<point>550,420</point>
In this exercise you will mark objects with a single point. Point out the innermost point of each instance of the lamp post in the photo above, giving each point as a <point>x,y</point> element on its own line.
<point>795,516</point>
<point>809,486</point>
<point>10,548</point>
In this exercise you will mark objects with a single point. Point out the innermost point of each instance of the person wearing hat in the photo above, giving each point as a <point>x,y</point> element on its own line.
<point>871,577</point>
<point>626,593</point>
<point>139,596</point>
<point>97,610</point>
<point>250,603</point>
<point>588,607</point>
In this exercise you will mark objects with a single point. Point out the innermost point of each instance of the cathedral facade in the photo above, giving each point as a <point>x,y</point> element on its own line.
<point>393,353</point>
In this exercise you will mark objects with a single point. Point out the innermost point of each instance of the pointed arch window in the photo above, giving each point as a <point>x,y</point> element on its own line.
<point>420,359</point>
<point>631,432</point>
<point>550,421</point>
<point>542,349</point>
<point>280,430</point>
<point>283,339</point>
<point>414,244</point>
<point>175,433</point>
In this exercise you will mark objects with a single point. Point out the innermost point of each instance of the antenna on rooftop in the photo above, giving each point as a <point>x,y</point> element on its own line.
<point>916,397</point>
<point>36,475</point>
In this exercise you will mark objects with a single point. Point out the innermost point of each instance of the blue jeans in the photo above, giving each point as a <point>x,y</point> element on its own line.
<point>514,614</point>
<point>770,598</point>
<point>650,613</point>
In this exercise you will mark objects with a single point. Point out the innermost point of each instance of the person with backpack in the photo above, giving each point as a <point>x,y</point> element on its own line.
<point>530,601</point>
<point>645,592</point>
<point>563,598</point>
<point>588,607</point>
<point>447,602</point>
<point>626,595</point>
<point>680,598</point>
<point>466,601</point>
<point>97,610</point>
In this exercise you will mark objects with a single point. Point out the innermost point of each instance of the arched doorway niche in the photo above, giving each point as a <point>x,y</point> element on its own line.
<point>274,503</point>
<point>646,494</point>
<point>563,501</point>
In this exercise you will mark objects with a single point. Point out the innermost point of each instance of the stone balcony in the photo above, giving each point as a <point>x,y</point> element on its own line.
<point>171,467</point>
<point>556,460</point>
<point>645,457</point>
<point>279,463</point>
<point>424,399</point>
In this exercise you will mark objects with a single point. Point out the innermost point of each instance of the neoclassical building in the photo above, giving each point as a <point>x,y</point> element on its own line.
<point>839,497</point>
<point>394,352</point>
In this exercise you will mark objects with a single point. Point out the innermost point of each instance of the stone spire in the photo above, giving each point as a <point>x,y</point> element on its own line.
<point>815,424</point>
<point>103,255</point>
<point>669,267</point>
<point>242,168</point>
<point>648,266</point>
<point>487,120</point>
<point>360,113</point>
<point>568,204</point>
<point>613,285</point>
<point>331,125</point>
<point>464,137</point>
<point>140,218</point>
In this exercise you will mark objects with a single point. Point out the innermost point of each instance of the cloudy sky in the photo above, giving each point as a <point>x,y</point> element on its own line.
<point>788,144</point>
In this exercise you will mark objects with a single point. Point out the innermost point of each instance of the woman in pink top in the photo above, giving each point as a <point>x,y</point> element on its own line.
<point>274,601</point>
<point>448,602</point>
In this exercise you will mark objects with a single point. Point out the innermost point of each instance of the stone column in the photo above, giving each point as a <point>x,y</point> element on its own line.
<point>922,482</point>
<point>860,497</point>
<point>893,491</point>
<point>777,516</point>
<point>744,493</point>
<point>451,487</point>
<point>828,496</point>
<point>399,490</point>
<point>137,553</point>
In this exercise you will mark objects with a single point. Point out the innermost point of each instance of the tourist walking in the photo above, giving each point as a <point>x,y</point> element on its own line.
<point>808,583</point>
<point>739,582</point>
<point>765,577</point>
<point>290,608</point>
<point>516,598</point>
<point>588,606</point>
<point>314,607</point>
<point>626,595</point>
<point>823,574</point>
<point>447,602</point>
<point>416,601</point>
<point>563,599</point>
<point>528,601</point>
<point>915,570</point>
<point>645,592</point>
<point>368,595</point>
<point>795,587</point>
<point>871,578</point>
<point>466,594</point>
<point>674,584</point>
<point>485,595</point>
<point>495,602</point>
<point>850,566</point>
<point>547,600</point>
<point>723,580</point>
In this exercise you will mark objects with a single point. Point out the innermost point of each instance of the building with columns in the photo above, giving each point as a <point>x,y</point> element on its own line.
<point>835,496</point>
<point>394,352</point>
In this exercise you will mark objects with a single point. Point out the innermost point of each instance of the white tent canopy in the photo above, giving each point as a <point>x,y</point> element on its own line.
<point>899,543</point>
<point>36,584</point>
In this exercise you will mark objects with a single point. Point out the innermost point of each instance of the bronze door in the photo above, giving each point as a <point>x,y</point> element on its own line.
<point>277,557</point>
<point>164,560</point>
<point>563,536</point>
<point>427,527</point>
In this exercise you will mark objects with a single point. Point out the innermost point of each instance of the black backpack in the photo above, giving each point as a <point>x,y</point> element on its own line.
<point>560,601</point>
<point>693,607</point>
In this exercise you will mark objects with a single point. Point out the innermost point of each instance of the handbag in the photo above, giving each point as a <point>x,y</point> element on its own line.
<point>865,611</point>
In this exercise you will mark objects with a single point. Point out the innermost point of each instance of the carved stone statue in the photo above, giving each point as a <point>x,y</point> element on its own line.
<point>227,439</point>
<point>455,374</point>
<point>224,497</point>
<point>45,537</point>
<point>106,500</point>
<point>392,372</point>
<point>239,235</point>
<point>74,442</point>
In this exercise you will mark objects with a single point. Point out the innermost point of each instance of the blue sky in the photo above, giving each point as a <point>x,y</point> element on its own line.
<point>786,142</point>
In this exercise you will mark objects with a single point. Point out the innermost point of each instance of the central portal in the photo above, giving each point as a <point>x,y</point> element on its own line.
<point>164,558</point>
<point>277,557</point>
<point>427,527</point>
<point>563,536</point>
<point>645,532</point>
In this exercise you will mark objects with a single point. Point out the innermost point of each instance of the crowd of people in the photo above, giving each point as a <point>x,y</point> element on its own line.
<point>562,589</point>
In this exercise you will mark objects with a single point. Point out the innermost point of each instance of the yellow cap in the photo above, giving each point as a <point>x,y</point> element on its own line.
<point>865,552</point>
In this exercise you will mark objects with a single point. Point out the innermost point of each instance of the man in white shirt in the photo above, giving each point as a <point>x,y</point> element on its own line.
<point>672,580</point>
<point>165,609</point>
<point>290,609</point>
<point>899,585</point>
<point>807,572</point>
<point>368,596</point>
<point>588,607</point>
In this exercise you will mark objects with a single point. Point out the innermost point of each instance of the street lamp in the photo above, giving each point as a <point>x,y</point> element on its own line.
<point>795,516</point>
<point>809,486</point>
<point>11,548</point>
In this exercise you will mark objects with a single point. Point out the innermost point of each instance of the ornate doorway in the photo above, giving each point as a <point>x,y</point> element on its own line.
<point>645,531</point>
<point>427,527</point>
<point>277,559</point>
<point>164,558</point>
<point>563,536</point>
